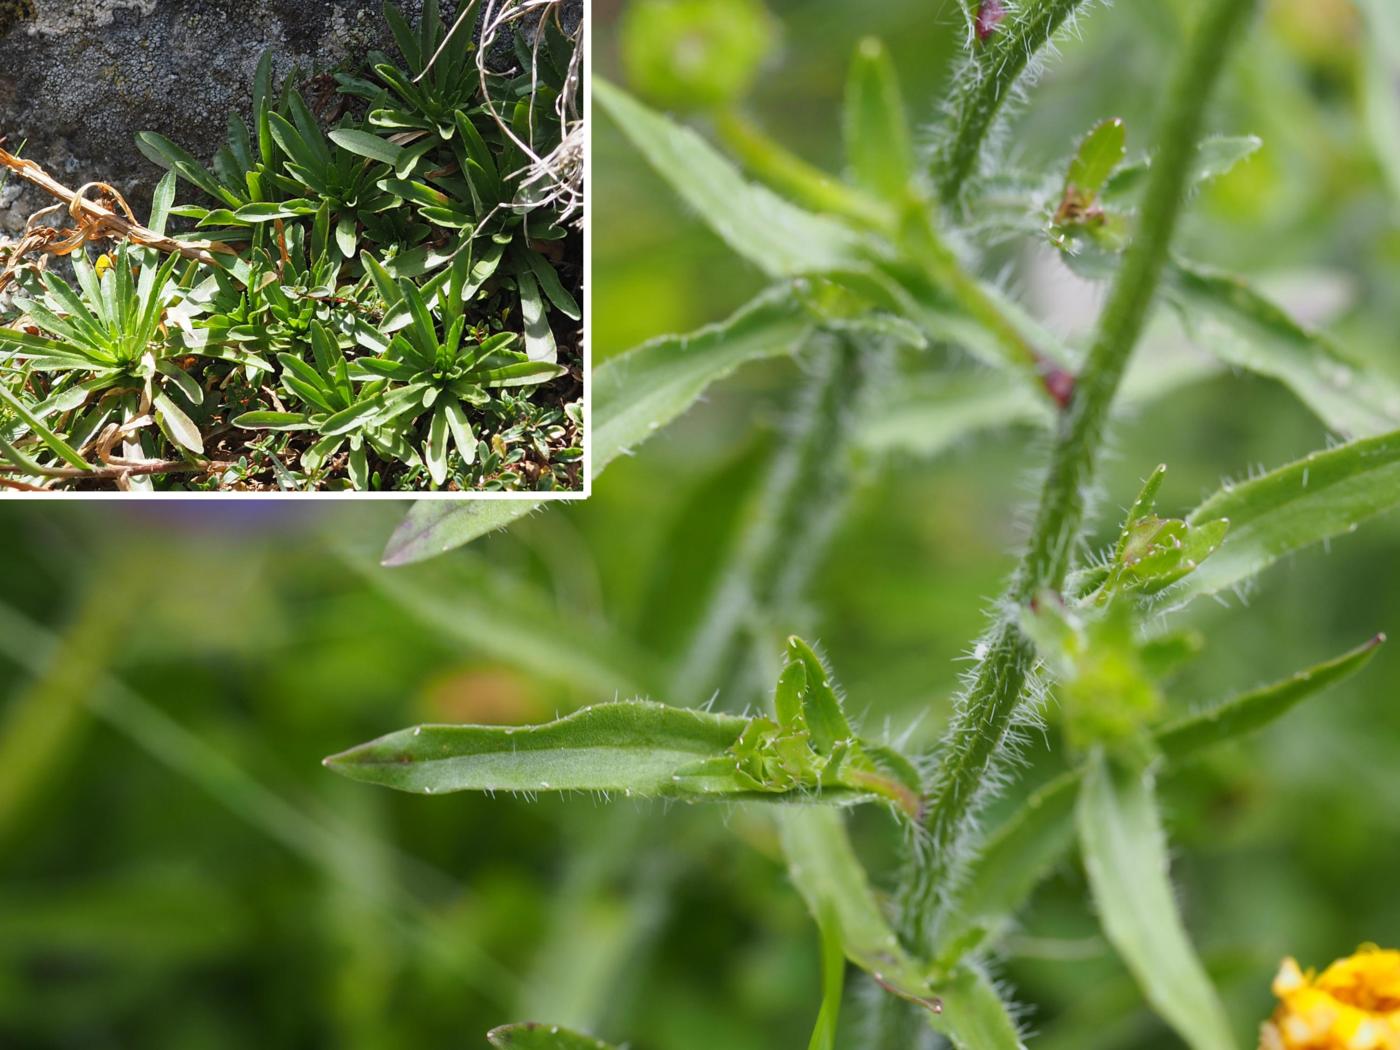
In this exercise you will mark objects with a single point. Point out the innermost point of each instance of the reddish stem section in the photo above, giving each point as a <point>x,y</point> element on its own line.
<point>1059,384</point>
<point>989,15</point>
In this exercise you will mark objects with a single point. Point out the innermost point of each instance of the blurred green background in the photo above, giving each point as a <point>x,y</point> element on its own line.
<point>176,869</point>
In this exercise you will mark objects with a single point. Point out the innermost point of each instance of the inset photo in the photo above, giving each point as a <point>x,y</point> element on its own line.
<point>304,247</point>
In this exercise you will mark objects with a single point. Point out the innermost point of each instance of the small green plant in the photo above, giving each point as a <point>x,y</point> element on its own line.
<point>356,289</point>
<point>864,268</point>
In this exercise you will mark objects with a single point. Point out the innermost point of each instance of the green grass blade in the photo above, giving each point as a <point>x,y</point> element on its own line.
<point>777,236</point>
<point>1125,855</point>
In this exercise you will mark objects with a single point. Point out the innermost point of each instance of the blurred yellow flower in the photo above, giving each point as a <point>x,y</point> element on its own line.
<point>1354,1004</point>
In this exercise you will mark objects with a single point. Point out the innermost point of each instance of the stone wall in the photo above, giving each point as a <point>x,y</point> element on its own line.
<point>78,78</point>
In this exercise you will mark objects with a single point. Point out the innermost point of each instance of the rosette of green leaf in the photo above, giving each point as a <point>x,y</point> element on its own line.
<point>105,343</point>
<point>329,172</point>
<point>440,372</point>
<point>338,411</point>
<point>438,83</point>
<point>272,307</point>
<point>241,166</point>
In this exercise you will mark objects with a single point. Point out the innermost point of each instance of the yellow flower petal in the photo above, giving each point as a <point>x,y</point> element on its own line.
<point>1352,1005</point>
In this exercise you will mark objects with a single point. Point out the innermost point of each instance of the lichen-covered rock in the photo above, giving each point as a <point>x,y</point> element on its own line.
<point>79,78</point>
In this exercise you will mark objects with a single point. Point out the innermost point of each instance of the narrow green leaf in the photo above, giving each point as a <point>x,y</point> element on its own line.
<point>638,749</point>
<point>549,281</point>
<point>1101,151</point>
<point>266,212</point>
<point>271,421</point>
<point>461,429</point>
<point>777,236</point>
<point>1224,315</point>
<point>1125,856</point>
<point>532,1035</point>
<point>352,417</point>
<point>1258,707</point>
<point>435,450</point>
<point>824,868</point>
<point>161,202</point>
<point>974,1016</point>
<point>637,393</point>
<point>879,149</point>
<point>1019,853</point>
<point>52,441</point>
<point>1322,495</point>
<point>435,527</point>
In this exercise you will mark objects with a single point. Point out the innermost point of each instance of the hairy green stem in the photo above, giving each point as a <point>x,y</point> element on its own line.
<point>1000,682</point>
<point>801,500</point>
<point>799,503</point>
<point>989,79</point>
